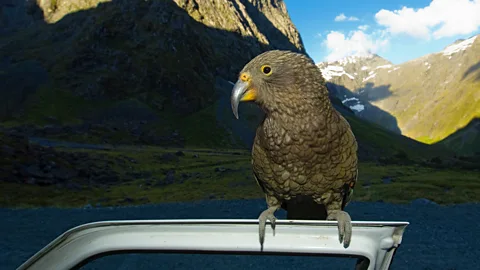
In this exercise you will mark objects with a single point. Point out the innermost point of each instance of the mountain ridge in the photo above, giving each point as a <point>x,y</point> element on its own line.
<point>441,86</point>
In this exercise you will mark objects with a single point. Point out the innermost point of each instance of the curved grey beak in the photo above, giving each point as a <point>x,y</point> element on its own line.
<point>238,94</point>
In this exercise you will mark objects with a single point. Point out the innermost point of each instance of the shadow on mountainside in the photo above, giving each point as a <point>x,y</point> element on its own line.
<point>466,140</point>
<point>16,15</point>
<point>14,87</point>
<point>374,93</point>
<point>125,64</point>
<point>473,69</point>
<point>371,112</point>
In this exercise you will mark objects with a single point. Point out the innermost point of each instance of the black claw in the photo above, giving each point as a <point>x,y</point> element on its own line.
<point>262,240</point>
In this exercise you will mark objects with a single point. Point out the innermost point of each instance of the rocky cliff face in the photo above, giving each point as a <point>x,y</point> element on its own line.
<point>267,21</point>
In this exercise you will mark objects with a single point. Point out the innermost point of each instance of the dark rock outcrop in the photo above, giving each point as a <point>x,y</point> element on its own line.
<point>164,53</point>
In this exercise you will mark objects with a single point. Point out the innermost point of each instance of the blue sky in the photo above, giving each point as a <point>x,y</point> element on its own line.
<point>398,30</point>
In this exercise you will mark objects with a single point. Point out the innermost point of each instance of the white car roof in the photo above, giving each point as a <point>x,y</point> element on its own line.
<point>376,241</point>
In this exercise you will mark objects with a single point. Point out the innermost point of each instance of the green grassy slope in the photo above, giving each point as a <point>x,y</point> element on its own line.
<point>466,140</point>
<point>435,95</point>
<point>377,139</point>
<point>199,175</point>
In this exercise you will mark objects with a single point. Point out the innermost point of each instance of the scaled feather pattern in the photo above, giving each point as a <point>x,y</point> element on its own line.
<point>304,155</point>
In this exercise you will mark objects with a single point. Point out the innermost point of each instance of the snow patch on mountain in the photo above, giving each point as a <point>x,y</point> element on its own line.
<point>394,69</point>
<point>352,59</point>
<point>384,66</point>
<point>334,71</point>
<point>461,46</point>
<point>357,107</point>
<point>371,76</point>
<point>349,99</point>
<point>354,104</point>
<point>364,68</point>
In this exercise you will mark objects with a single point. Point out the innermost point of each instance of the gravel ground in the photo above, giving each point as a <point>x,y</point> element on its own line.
<point>438,237</point>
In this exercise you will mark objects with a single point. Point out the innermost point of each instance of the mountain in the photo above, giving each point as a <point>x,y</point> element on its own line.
<point>351,73</point>
<point>430,97</point>
<point>356,68</point>
<point>155,51</point>
<point>155,72</point>
<point>466,140</point>
<point>95,62</point>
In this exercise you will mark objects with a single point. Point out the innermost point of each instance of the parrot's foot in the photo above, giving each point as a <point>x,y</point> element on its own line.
<point>267,214</point>
<point>344,225</point>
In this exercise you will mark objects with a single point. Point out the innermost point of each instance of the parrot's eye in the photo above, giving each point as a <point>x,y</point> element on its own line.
<point>266,69</point>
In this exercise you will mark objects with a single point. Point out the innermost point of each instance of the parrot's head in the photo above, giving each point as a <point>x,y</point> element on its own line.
<point>274,78</point>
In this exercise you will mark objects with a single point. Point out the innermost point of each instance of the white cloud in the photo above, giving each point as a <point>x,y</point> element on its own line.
<point>441,18</point>
<point>357,43</point>
<point>363,27</point>
<point>342,17</point>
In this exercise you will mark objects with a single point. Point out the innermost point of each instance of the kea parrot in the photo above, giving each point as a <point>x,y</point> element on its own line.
<point>304,154</point>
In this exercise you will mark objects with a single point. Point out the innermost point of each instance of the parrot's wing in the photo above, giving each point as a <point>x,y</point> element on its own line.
<point>259,182</point>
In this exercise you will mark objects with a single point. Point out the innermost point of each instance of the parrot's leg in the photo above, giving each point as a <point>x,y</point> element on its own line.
<point>344,223</point>
<point>268,214</point>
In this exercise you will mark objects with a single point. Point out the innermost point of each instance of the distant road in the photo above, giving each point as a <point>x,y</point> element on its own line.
<point>54,143</point>
<point>438,237</point>
<point>73,145</point>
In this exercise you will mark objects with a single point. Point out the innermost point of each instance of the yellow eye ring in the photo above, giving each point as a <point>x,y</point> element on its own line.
<point>266,69</point>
